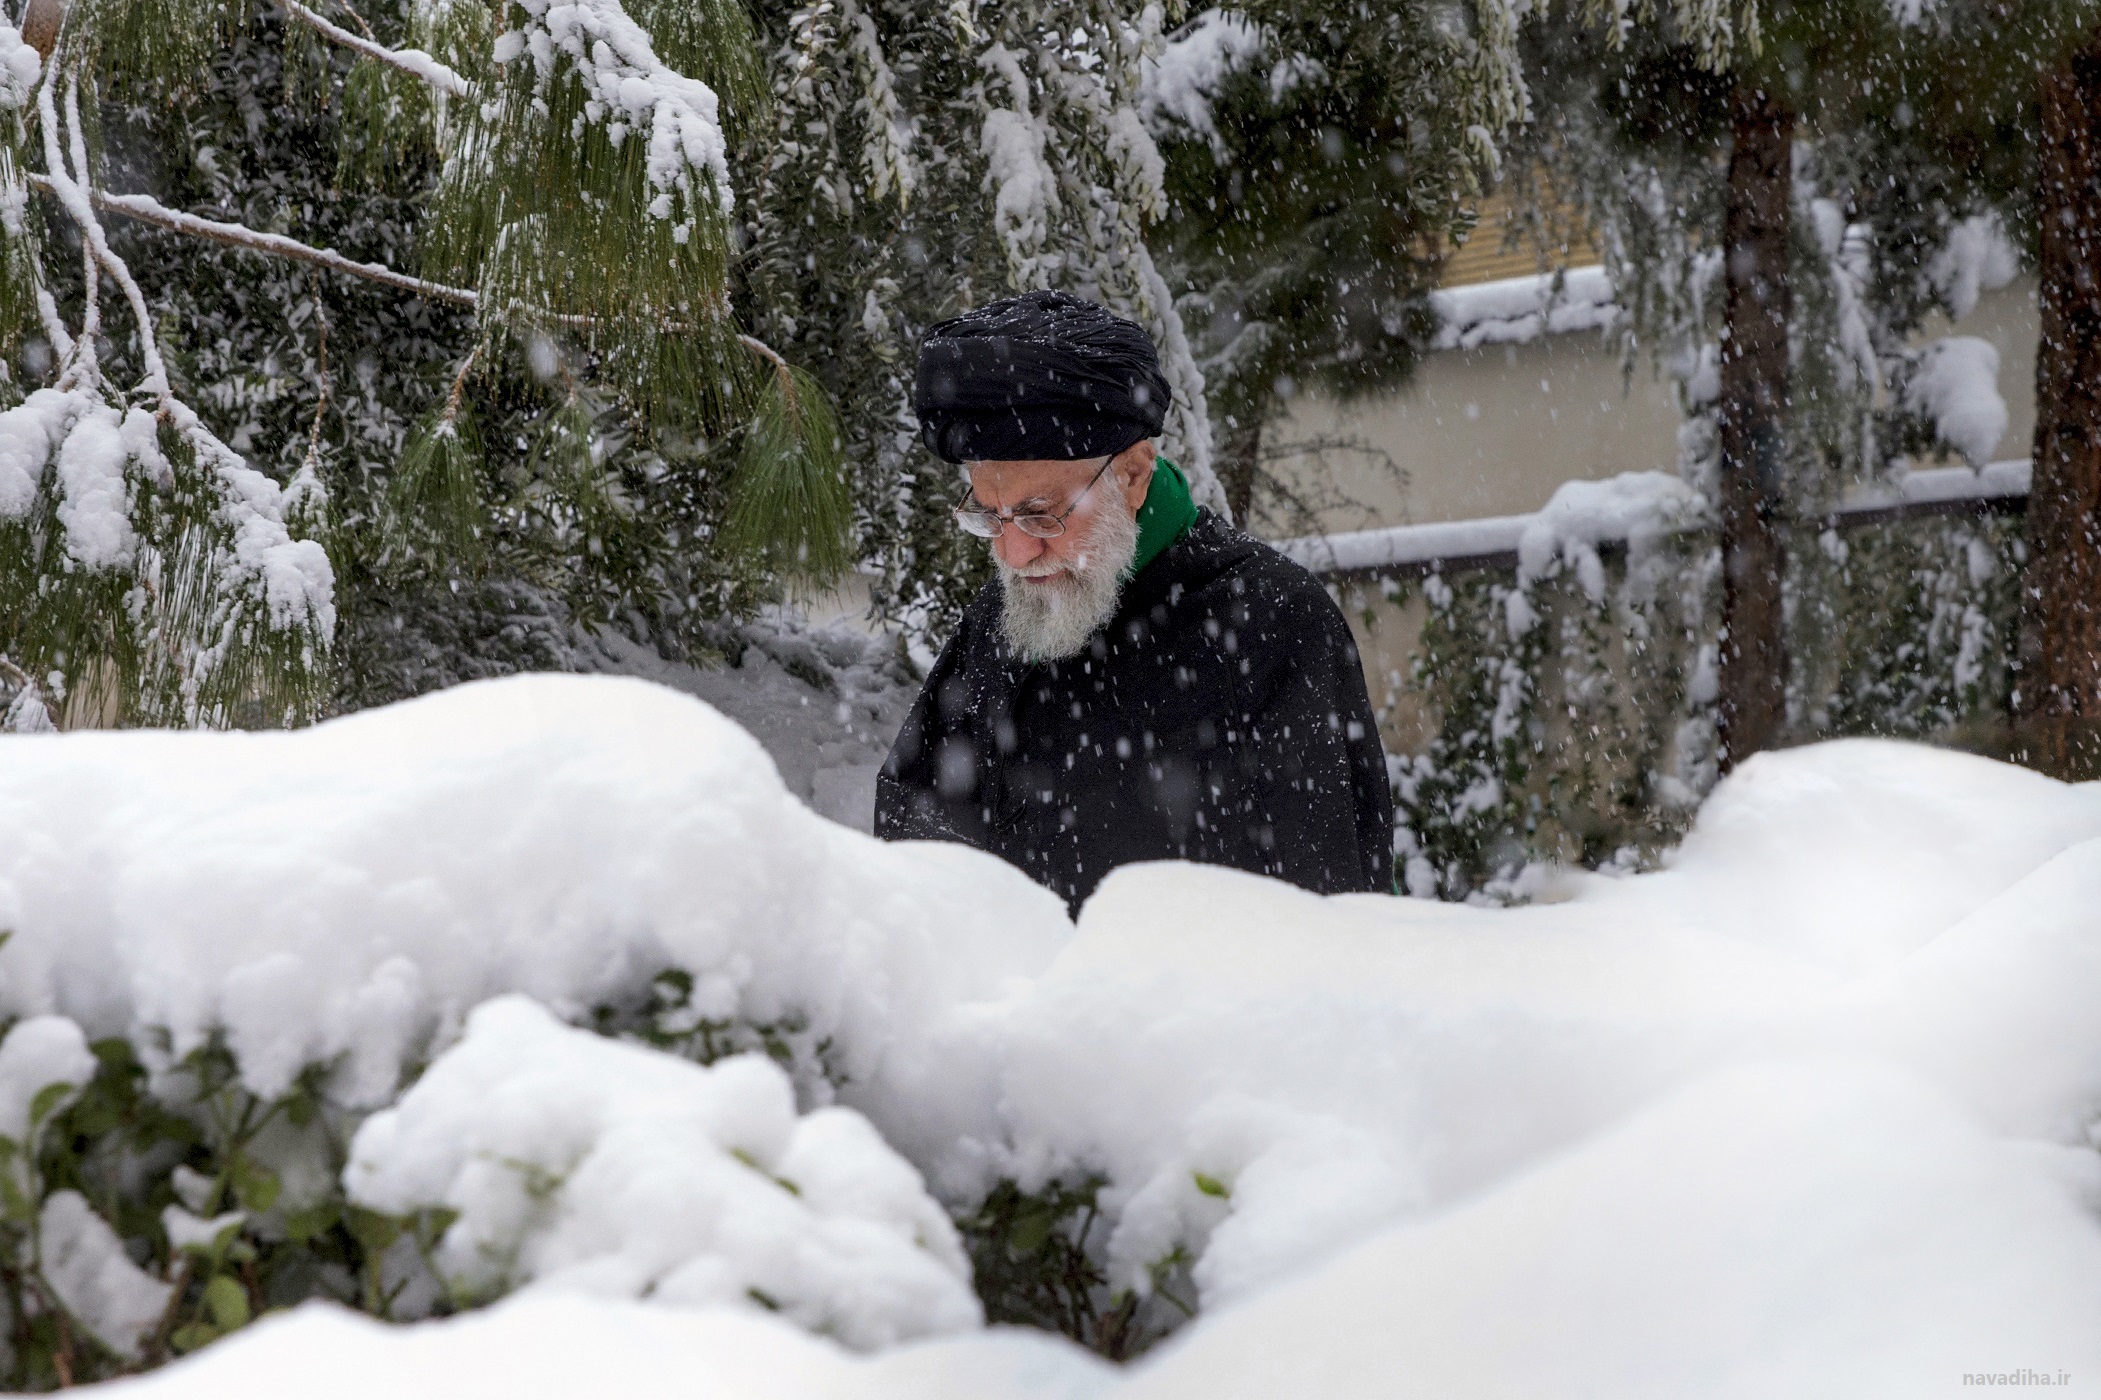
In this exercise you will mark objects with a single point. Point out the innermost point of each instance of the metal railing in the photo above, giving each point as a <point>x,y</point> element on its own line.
<point>1461,546</point>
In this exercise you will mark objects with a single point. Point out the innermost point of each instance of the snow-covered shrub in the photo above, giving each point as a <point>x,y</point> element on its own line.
<point>265,953</point>
<point>570,1161</point>
<point>1573,705</point>
<point>254,989</point>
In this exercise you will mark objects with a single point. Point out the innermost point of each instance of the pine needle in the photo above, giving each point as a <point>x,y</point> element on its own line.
<point>387,120</point>
<point>790,505</point>
<point>436,495</point>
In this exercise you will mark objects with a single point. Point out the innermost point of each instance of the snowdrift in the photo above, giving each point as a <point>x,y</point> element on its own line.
<point>1806,1111</point>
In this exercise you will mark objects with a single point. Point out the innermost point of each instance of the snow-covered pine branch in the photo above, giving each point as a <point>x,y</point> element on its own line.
<point>591,187</point>
<point>147,210</point>
<point>414,62</point>
<point>1072,168</point>
<point>584,196</point>
<point>179,592</point>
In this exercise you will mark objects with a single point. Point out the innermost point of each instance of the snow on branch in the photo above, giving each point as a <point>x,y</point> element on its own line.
<point>412,61</point>
<point>627,85</point>
<point>71,189</point>
<point>148,210</point>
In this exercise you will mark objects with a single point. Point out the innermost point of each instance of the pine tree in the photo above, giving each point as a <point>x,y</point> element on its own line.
<point>924,159</point>
<point>1766,188</point>
<point>578,205</point>
<point>2061,681</point>
<point>1318,157</point>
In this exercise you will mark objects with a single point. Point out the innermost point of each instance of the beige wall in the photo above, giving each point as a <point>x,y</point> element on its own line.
<point>1493,431</point>
<point>1477,434</point>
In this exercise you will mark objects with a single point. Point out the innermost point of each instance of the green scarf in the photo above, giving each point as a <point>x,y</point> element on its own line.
<point>1165,517</point>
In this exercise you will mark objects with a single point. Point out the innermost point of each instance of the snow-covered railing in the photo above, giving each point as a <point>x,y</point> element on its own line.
<point>1492,542</point>
<point>1518,310</point>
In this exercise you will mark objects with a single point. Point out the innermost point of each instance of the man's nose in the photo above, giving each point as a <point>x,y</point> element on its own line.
<point>1015,549</point>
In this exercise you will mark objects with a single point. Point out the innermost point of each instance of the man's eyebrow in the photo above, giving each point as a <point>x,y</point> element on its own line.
<point>1018,508</point>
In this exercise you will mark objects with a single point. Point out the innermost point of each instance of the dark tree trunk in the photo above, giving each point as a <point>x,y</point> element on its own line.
<point>2060,677</point>
<point>1753,699</point>
<point>1238,463</point>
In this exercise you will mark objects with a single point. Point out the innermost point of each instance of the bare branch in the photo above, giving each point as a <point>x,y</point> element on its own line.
<point>762,350</point>
<point>71,192</point>
<point>411,61</point>
<point>148,210</point>
<point>363,28</point>
<point>313,440</point>
<point>41,21</point>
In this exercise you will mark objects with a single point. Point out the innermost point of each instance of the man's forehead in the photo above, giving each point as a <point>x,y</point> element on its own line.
<point>1025,480</point>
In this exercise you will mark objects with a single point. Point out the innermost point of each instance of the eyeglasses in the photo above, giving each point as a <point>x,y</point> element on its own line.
<point>986,524</point>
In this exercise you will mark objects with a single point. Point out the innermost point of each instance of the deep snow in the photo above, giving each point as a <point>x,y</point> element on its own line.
<point>1806,1112</point>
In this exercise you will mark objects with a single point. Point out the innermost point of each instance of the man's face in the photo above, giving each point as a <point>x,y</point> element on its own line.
<point>1050,487</point>
<point>1058,590</point>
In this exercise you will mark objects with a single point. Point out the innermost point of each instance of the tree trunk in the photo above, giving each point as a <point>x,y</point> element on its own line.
<point>1753,698</point>
<point>1238,461</point>
<point>2060,677</point>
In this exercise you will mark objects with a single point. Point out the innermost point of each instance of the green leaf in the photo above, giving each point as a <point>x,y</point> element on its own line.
<point>1032,1227</point>
<point>374,1232</point>
<point>255,1187</point>
<point>1211,1186</point>
<point>192,1335</point>
<point>47,1098</point>
<point>15,1206</point>
<point>227,1302</point>
<point>432,1224</point>
<point>315,1220</point>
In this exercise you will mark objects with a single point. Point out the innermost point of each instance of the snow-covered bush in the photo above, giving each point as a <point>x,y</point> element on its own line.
<point>246,1065</point>
<point>255,991</point>
<point>574,1162</point>
<point>1572,704</point>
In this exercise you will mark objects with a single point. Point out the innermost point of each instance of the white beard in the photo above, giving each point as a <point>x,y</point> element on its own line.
<point>1052,609</point>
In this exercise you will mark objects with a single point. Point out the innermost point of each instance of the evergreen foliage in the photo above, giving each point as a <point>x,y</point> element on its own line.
<point>1317,160</point>
<point>1574,720</point>
<point>591,240</point>
<point>923,160</point>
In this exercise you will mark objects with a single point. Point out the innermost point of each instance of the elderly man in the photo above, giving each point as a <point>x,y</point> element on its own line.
<point>1142,681</point>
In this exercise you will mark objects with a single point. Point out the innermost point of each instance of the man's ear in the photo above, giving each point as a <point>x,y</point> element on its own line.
<point>1133,469</point>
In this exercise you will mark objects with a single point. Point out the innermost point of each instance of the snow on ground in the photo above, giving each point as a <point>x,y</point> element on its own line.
<point>540,1346</point>
<point>1806,1112</point>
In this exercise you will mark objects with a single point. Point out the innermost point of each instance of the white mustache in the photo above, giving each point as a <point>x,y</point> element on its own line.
<point>1043,569</point>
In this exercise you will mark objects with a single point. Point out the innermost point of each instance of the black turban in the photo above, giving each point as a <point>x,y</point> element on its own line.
<point>1040,377</point>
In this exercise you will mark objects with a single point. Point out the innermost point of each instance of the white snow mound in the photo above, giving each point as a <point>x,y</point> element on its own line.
<point>581,1163</point>
<point>1809,1111</point>
<point>350,891</point>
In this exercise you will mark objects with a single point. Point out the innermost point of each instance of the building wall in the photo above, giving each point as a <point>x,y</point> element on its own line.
<point>1492,431</point>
